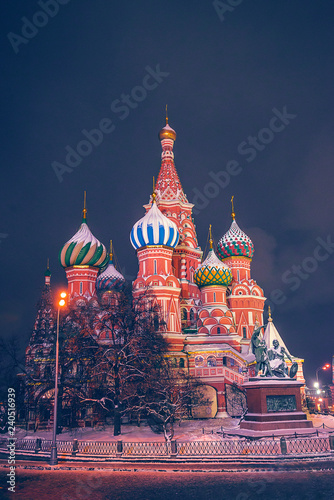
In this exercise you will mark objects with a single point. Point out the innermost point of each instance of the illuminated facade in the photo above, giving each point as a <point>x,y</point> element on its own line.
<point>209,307</point>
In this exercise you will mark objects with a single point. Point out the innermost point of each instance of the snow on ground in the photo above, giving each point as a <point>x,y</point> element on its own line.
<point>188,430</point>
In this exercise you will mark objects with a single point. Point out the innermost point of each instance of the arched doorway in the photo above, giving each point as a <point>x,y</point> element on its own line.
<point>209,410</point>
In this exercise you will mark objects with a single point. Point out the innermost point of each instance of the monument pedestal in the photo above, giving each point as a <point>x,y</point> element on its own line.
<point>274,404</point>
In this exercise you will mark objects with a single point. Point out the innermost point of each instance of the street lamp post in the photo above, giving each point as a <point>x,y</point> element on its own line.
<point>53,456</point>
<point>324,367</point>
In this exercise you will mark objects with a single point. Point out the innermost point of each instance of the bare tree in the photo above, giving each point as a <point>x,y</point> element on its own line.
<point>236,402</point>
<point>121,348</point>
<point>169,395</point>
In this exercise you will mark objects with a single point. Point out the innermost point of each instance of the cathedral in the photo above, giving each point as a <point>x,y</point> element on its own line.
<point>210,303</point>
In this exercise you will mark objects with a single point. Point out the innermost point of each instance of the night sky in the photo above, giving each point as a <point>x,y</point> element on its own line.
<point>250,85</point>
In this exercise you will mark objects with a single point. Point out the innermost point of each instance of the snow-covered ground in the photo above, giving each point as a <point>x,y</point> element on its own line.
<point>189,430</point>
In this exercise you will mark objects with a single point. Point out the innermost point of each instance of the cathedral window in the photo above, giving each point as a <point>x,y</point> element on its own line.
<point>244,332</point>
<point>184,314</point>
<point>238,275</point>
<point>199,361</point>
<point>80,287</point>
<point>192,315</point>
<point>173,363</point>
<point>218,330</point>
<point>155,266</point>
<point>211,361</point>
<point>214,296</point>
<point>181,363</point>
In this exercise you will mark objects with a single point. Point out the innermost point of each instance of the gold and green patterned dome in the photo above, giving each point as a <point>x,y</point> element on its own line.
<point>212,272</point>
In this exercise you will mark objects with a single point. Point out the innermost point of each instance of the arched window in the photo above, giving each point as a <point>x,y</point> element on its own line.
<point>199,361</point>
<point>244,332</point>
<point>211,361</point>
<point>214,296</point>
<point>80,287</point>
<point>156,322</point>
<point>173,363</point>
<point>184,314</point>
<point>181,363</point>
<point>155,266</point>
<point>218,330</point>
<point>192,315</point>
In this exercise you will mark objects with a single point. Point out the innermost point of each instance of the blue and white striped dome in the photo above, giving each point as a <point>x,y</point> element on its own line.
<point>154,229</point>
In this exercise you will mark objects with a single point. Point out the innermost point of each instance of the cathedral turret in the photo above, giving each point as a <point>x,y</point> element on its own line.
<point>42,338</point>
<point>110,279</point>
<point>82,257</point>
<point>154,237</point>
<point>213,277</point>
<point>245,297</point>
<point>173,203</point>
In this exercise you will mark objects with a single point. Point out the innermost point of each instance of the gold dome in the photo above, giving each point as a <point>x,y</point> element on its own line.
<point>167,133</point>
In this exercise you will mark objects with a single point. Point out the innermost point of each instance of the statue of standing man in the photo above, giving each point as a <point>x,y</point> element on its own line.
<point>259,349</point>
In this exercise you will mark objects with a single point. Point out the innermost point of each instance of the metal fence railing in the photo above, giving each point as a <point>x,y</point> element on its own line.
<point>304,446</point>
<point>147,449</point>
<point>182,449</point>
<point>228,447</point>
<point>97,447</point>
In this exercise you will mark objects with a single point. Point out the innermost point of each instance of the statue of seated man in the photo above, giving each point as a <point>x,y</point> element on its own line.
<point>277,362</point>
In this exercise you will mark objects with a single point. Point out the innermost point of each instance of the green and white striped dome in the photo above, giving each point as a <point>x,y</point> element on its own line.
<point>83,249</point>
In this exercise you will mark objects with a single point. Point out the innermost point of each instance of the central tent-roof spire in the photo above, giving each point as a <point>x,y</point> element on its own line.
<point>168,185</point>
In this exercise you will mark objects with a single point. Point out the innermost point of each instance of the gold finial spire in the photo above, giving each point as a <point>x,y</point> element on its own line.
<point>84,212</point>
<point>153,193</point>
<point>210,234</point>
<point>110,253</point>
<point>233,214</point>
<point>270,319</point>
<point>166,115</point>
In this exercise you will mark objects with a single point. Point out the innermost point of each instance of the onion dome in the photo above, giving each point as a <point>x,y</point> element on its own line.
<point>167,132</point>
<point>110,279</point>
<point>235,243</point>
<point>83,249</point>
<point>154,229</point>
<point>212,271</point>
